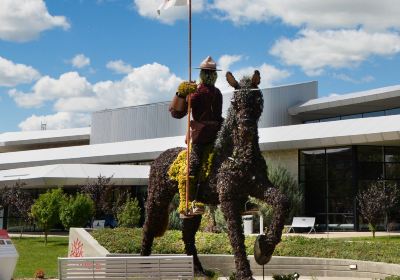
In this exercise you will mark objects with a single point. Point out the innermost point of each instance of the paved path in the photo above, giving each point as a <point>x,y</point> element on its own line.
<point>342,234</point>
<point>308,278</point>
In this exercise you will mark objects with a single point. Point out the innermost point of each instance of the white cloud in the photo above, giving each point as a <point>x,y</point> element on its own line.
<point>146,84</point>
<point>270,75</point>
<point>12,74</point>
<point>148,8</point>
<point>67,85</point>
<point>59,120</point>
<point>80,61</point>
<point>24,20</point>
<point>73,93</point>
<point>225,61</point>
<point>313,51</point>
<point>119,67</point>
<point>369,14</point>
<point>347,78</point>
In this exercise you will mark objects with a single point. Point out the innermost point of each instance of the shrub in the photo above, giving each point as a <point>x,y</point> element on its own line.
<point>129,214</point>
<point>175,222</point>
<point>293,276</point>
<point>76,211</point>
<point>282,178</point>
<point>392,278</point>
<point>46,209</point>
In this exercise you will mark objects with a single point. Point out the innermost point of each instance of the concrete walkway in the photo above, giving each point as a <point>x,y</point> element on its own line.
<point>308,278</point>
<point>342,234</point>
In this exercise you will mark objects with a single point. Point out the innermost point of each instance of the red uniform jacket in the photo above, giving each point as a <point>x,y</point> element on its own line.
<point>206,108</point>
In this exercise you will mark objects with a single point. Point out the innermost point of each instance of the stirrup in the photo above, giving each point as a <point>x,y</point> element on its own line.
<point>193,211</point>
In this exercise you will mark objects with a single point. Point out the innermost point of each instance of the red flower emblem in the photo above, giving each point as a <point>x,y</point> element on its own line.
<point>76,249</point>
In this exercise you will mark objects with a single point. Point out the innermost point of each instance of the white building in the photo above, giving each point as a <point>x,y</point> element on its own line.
<point>333,146</point>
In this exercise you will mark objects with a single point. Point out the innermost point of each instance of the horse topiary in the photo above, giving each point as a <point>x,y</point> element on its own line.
<point>238,171</point>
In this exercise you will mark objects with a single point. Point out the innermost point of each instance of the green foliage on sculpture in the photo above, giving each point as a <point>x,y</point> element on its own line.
<point>128,214</point>
<point>76,211</point>
<point>45,211</point>
<point>186,88</point>
<point>376,201</point>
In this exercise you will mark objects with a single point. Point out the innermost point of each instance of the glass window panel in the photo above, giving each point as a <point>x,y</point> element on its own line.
<point>340,171</point>
<point>392,171</point>
<point>314,172</point>
<point>392,154</point>
<point>313,121</point>
<point>341,207</point>
<point>342,188</point>
<point>374,114</point>
<point>312,156</point>
<point>370,153</point>
<point>329,119</point>
<point>395,111</point>
<point>370,171</point>
<point>339,154</point>
<point>349,117</point>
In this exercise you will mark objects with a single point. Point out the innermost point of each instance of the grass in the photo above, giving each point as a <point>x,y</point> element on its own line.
<point>33,255</point>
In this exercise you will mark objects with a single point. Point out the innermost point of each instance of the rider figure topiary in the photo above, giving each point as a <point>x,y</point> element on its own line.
<point>206,102</point>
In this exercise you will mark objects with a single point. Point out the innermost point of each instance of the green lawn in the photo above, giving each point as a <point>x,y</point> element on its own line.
<point>33,254</point>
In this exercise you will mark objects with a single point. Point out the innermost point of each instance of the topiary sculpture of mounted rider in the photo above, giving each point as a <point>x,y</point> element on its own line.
<point>238,170</point>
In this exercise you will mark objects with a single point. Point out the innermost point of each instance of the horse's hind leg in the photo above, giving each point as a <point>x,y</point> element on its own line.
<point>189,229</point>
<point>157,218</point>
<point>161,190</point>
<point>273,197</point>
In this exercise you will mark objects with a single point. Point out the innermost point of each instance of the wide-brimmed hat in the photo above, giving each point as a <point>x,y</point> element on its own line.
<point>208,64</point>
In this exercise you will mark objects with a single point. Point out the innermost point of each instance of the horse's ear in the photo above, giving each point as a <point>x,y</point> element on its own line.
<point>232,81</point>
<point>255,81</point>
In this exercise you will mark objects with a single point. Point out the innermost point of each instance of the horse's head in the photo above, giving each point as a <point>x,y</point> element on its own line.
<point>247,99</point>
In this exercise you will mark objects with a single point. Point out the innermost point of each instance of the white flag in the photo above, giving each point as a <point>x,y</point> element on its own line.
<point>169,3</point>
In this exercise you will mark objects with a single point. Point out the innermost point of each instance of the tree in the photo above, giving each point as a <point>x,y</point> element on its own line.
<point>76,211</point>
<point>100,192</point>
<point>46,209</point>
<point>20,201</point>
<point>375,202</point>
<point>129,214</point>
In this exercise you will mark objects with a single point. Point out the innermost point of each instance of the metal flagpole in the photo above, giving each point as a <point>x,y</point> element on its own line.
<point>189,110</point>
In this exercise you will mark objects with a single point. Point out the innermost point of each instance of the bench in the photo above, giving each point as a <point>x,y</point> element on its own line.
<point>119,268</point>
<point>302,222</point>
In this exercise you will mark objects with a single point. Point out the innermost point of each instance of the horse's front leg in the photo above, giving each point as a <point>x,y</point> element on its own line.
<point>189,228</point>
<point>234,222</point>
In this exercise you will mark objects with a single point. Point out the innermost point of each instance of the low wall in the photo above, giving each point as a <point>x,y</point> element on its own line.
<point>82,244</point>
<point>225,264</point>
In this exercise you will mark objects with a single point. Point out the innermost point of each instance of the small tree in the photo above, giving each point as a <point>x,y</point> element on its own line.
<point>75,211</point>
<point>375,202</point>
<point>100,192</point>
<point>46,209</point>
<point>129,214</point>
<point>20,201</point>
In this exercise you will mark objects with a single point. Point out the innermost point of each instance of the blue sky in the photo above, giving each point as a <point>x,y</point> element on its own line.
<point>61,60</point>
